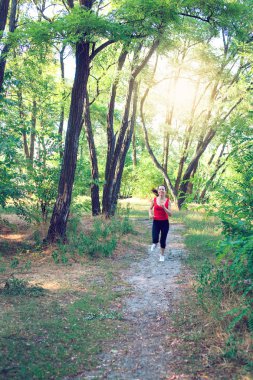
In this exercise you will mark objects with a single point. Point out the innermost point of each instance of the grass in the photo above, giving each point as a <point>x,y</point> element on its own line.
<point>57,328</point>
<point>138,208</point>
<point>60,333</point>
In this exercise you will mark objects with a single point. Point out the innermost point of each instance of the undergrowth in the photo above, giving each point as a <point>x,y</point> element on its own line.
<point>223,288</point>
<point>99,241</point>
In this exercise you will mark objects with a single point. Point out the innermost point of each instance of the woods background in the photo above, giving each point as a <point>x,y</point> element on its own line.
<point>104,100</point>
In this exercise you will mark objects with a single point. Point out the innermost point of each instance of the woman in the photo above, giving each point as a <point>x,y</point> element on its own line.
<point>160,210</point>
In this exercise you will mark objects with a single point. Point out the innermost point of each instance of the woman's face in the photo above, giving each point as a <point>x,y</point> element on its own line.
<point>161,190</point>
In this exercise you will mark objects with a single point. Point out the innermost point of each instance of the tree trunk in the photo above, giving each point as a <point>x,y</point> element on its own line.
<point>58,223</point>
<point>93,160</point>
<point>60,129</point>
<point>21,115</point>
<point>134,156</point>
<point>218,165</point>
<point>114,167</point>
<point>166,143</point>
<point>194,162</point>
<point>33,131</point>
<point>133,122</point>
<point>109,185</point>
<point>4,6</point>
<point>110,115</point>
<point>124,150</point>
<point>151,153</point>
<point>187,138</point>
<point>203,142</point>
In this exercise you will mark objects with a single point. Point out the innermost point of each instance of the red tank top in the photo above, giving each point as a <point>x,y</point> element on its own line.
<point>159,213</point>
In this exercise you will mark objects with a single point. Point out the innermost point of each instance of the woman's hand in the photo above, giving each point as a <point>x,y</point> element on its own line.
<point>151,210</point>
<point>167,210</point>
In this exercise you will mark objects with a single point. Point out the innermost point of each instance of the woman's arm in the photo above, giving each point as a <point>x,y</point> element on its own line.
<point>151,211</point>
<point>168,210</point>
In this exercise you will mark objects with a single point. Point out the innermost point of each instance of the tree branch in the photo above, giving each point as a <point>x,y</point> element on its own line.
<point>100,48</point>
<point>196,17</point>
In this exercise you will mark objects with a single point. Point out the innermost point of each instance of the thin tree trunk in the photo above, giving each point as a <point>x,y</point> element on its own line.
<point>124,150</point>
<point>166,143</point>
<point>22,116</point>
<point>33,131</point>
<point>108,187</point>
<point>194,162</point>
<point>111,185</point>
<point>133,123</point>
<point>134,156</point>
<point>60,129</point>
<point>187,138</point>
<point>93,160</point>
<point>186,186</point>
<point>110,115</point>
<point>218,165</point>
<point>151,153</point>
<point>186,178</point>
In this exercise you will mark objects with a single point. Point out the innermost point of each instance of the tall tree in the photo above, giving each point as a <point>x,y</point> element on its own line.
<point>86,51</point>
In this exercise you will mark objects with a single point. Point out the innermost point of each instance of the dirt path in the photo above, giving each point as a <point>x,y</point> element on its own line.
<point>143,353</point>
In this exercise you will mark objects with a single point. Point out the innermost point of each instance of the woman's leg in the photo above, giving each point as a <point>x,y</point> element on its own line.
<point>155,231</point>
<point>164,233</point>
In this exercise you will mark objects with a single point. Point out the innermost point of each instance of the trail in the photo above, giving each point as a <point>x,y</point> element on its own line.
<point>143,352</point>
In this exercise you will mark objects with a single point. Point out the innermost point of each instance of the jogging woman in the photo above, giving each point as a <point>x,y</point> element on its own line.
<point>160,210</point>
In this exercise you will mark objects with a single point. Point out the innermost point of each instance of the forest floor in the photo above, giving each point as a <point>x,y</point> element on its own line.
<point>147,350</point>
<point>157,332</point>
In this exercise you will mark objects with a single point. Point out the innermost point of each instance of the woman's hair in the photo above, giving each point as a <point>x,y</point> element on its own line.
<point>155,191</point>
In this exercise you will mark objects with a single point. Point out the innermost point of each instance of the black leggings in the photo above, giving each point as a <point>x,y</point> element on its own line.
<point>163,227</point>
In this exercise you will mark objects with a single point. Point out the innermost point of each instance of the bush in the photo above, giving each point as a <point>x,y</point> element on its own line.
<point>100,241</point>
<point>18,287</point>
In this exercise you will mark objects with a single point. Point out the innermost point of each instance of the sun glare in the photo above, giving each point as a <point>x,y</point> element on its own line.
<point>174,96</point>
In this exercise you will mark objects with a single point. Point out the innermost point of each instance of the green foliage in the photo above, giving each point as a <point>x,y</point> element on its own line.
<point>31,109</point>
<point>14,263</point>
<point>140,181</point>
<point>221,12</point>
<point>18,287</point>
<point>9,145</point>
<point>129,19</point>
<point>230,276</point>
<point>152,15</point>
<point>236,213</point>
<point>224,290</point>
